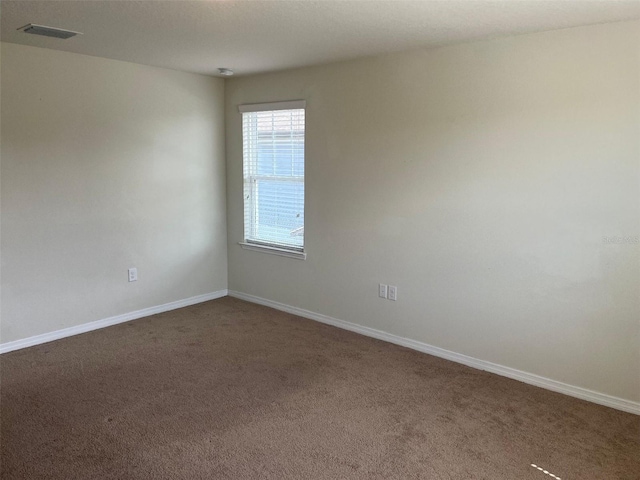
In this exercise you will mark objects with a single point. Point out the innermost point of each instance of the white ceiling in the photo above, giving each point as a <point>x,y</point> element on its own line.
<point>259,36</point>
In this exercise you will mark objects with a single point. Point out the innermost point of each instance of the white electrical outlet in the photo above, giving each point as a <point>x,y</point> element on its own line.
<point>382,290</point>
<point>133,274</point>
<point>393,293</point>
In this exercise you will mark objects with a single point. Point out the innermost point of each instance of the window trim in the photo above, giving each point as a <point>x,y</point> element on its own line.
<point>283,252</point>
<point>274,249</point>
<point>271,106</point>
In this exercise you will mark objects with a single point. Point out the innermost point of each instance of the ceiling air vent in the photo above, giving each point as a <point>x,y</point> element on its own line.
<point>48,31</point>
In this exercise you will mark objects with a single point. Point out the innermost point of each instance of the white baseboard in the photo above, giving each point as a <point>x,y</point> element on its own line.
<point>107,322</point>
<point>538,381</point>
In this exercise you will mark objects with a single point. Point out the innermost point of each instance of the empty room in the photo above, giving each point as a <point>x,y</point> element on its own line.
<point>320,239</point>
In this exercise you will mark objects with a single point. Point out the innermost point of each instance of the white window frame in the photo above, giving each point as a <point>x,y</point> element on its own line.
<point>282,250</point>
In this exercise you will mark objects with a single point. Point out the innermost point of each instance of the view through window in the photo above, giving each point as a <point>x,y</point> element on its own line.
<point>273,168</point>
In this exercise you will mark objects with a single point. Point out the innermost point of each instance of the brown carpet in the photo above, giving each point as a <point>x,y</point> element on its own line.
<point>227,389</point>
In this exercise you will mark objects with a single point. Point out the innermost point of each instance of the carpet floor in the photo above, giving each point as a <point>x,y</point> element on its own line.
<point>228,389</point>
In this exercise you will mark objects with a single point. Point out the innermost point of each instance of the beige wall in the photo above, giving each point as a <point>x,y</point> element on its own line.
<point>480,179</point>
<point>106,165</point>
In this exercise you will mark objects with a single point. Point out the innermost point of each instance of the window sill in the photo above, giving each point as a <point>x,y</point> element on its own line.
<point>283,252</point>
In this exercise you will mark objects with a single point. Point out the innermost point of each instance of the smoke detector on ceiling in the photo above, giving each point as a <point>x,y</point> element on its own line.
<point>48,31</point>
<point>227,72</point>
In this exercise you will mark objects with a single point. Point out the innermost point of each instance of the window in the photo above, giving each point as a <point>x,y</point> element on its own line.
<point>273,171</point>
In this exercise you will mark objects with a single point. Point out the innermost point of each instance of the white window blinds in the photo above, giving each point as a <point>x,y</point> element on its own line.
<point>273,170</point>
